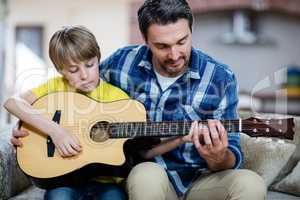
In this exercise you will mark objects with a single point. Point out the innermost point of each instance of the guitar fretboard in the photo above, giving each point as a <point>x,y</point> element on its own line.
<point>162,129</point>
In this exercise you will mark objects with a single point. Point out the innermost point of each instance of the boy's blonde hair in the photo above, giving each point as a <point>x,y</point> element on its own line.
<point>72,43</point>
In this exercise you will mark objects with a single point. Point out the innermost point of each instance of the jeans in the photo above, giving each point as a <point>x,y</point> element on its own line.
<point>90,191</point>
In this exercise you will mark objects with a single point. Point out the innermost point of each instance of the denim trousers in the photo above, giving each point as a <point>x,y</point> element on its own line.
<point>89,191</point>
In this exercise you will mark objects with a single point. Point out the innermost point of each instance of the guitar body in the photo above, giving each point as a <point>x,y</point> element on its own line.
<point>78,114</point>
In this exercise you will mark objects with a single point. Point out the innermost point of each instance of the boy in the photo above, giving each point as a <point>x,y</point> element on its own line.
<point>75,54</point>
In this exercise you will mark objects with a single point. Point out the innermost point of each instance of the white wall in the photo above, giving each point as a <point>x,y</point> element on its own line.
<point>252,63</point>
<point>108,20</point>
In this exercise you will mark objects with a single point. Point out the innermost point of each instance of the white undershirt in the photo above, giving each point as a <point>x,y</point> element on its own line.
<point>165,82</point>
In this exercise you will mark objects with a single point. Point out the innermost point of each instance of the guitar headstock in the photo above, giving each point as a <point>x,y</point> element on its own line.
<point>280,128</point>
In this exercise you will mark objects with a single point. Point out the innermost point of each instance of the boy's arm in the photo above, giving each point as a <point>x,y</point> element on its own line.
<point>67,144</point>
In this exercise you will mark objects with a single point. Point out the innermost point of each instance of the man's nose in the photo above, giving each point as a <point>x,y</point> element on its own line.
<point>174,53</point>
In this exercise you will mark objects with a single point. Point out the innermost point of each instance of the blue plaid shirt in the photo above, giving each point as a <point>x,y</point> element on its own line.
<point>207,90</point>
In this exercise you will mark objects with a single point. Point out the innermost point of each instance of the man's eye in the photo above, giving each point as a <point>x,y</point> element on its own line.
<point>182,42</point>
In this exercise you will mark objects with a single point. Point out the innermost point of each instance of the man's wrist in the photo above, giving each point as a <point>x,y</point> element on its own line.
<point>225,161</point>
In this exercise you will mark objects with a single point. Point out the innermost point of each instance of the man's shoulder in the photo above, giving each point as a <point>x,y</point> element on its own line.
<point>133,49</point>
<point>219,67</point>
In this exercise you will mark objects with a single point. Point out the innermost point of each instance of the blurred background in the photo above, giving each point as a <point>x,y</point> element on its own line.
<point>258,39</point>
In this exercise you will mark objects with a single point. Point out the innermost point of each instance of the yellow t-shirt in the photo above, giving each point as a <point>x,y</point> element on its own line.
<point>104,92</point>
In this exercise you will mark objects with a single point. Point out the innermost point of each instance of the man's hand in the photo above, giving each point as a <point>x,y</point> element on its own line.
<point>189,137</point>
<point>16,134</point>
<point>211,143</point>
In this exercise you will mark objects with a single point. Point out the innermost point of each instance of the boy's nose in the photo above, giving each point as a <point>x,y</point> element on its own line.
<point>83,74</point>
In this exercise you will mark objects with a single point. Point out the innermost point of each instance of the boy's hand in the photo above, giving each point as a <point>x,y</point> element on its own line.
<point>67,144</point>
<point>16,133</point>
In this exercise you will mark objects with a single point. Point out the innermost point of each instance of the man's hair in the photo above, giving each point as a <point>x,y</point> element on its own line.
<point>163,12</point>
<point>72,43</point>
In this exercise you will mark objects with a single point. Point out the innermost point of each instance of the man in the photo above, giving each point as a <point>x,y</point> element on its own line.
<point>177,82</point>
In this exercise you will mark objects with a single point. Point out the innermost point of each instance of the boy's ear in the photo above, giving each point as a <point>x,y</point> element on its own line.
<point>60,71</point>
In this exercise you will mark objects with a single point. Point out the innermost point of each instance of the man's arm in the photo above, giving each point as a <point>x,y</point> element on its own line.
<point>220,149</point>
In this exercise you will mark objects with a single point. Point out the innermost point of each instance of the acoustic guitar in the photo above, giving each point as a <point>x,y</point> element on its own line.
<point>103,128</point>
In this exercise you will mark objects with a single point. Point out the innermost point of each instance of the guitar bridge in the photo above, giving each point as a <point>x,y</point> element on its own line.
<point>50,144</point>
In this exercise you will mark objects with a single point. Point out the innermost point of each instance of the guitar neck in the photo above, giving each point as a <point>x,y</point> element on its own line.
<point>163,129</point>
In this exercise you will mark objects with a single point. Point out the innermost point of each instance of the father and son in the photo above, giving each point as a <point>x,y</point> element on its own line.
<point>174,81</point>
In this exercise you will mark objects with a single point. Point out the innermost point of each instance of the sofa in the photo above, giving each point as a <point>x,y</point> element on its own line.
<point>276,160</point>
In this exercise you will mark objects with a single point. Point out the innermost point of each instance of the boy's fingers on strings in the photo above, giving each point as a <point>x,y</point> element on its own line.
<point>75,143</point>
<point>65,151</point>
<point>76,146</point>
<point>71,150</point>
<point>60,152</point>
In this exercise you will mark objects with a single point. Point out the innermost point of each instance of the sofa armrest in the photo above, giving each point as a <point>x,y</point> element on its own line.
<point>12,179</point>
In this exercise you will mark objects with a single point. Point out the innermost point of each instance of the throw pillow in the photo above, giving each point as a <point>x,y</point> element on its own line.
<point>265,156</point>
<point>291,183</point>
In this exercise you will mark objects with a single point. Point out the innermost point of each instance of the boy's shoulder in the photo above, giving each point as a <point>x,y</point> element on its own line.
<point>54,84</point>
<point>56,80</point>
<point>111,92</point>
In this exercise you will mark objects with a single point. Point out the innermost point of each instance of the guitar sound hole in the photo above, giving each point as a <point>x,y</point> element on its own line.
<point>99,132</point>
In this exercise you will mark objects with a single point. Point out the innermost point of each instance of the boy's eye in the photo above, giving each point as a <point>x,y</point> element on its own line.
<point>161,46</point>
<point>73,70</point>
<point>89,65</point>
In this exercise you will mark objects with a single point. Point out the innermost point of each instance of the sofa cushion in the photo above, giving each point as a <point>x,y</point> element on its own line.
<point>294,159</point>
<point>12,179</point>
<point>38,194</point>
<point>265,156</point>
<point>280,196</point>
<point>291,183</point>
<point>288,180</point>
<point>30,193</point>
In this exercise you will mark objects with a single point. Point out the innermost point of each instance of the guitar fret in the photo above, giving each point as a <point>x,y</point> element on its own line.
<point>140,129</point>
<point>240,125</point>
<point>169,128</point>
<point>161,128</point>
<point>128,129</point>
<point>175,126</point>
<point>146,129</point>
<point>164,128</point>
